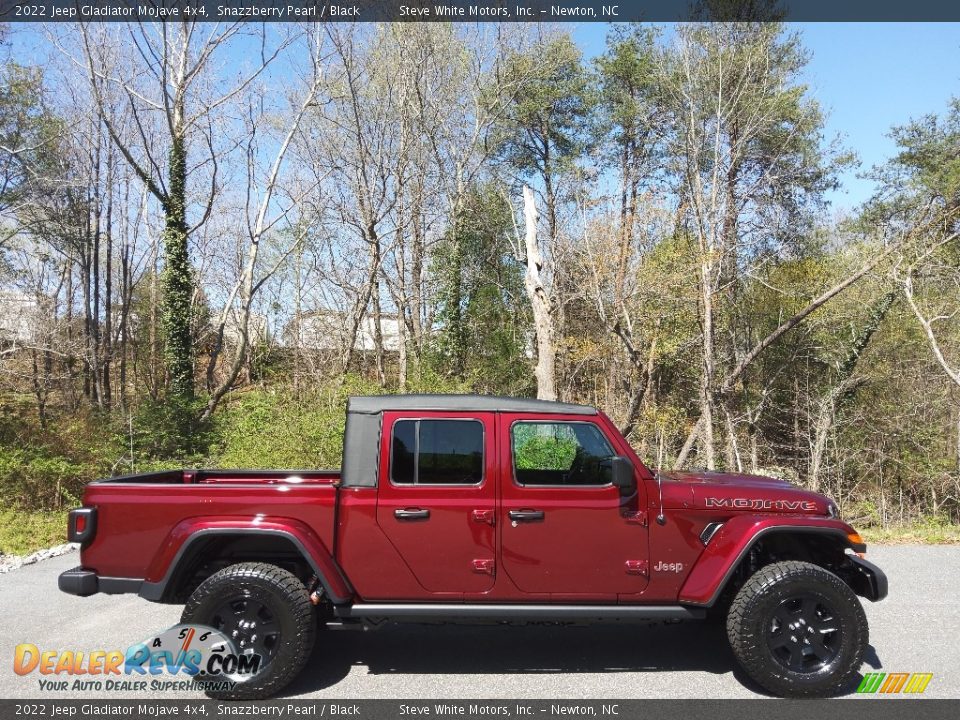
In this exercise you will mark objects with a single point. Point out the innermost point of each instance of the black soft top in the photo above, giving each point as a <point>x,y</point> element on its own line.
<point>361,442</point>
<point>373,404</point>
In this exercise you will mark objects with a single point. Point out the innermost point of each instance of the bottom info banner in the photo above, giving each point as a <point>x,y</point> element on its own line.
<point>442,709</point>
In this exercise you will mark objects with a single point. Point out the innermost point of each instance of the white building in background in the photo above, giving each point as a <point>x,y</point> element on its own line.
<point>19,317</point>
<point>327,330</point>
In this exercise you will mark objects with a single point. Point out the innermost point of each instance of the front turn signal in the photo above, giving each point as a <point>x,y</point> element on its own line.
<point>859,547</point>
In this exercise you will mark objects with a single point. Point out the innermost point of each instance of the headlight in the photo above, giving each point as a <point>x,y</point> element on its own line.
<point>832,510</point>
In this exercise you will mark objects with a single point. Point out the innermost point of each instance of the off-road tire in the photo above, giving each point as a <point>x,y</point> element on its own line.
<point>289,603</point>
<point>754,624</point>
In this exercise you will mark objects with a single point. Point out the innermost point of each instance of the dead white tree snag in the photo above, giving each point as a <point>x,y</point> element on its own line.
<point>545,369</point>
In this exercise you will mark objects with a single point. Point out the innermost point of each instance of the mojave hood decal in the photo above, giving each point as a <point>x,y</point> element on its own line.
<point>760,504</point>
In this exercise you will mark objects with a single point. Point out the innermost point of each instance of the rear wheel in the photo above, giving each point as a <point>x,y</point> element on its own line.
<point>263,610</point>
<point>798,630</point>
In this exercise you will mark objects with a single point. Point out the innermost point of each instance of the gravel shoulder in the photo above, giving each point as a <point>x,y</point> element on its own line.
<point>14,562</point>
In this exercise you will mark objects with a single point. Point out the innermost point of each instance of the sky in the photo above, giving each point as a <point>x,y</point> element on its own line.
<point>867,77</point>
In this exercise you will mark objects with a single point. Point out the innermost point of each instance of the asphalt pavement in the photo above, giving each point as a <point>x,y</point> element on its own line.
<point>914,630</point>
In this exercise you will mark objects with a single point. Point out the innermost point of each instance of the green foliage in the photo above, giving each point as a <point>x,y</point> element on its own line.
<point>929,154</point>
<point>536,451</point>
<point>273,429</point>
<point>28,130</point>
<point>23,532</point>
<point>545,130</point>
<point>169,430</point>
<point>178,287</point>
<point>482,310</point>
<point>927,532</point>
<point>630,97</point>
<point>31,478</point>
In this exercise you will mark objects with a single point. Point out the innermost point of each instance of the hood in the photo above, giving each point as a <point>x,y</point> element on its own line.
<point>749,493</point>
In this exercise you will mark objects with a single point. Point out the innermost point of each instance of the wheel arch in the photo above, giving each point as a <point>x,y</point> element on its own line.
<point>746,543</point>
<point>196,552</point>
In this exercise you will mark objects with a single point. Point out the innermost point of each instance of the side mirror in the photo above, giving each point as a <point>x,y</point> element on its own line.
<point>621,470</point>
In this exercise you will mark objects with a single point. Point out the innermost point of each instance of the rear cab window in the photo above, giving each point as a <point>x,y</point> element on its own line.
<point>437,452</point>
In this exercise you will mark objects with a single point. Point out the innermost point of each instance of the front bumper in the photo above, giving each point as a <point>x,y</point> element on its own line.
<point>83,582</point>
<point>867,579</point>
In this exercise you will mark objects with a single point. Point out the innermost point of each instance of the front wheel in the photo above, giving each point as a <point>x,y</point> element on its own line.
<point>262,609</point>
<point>798,630</point>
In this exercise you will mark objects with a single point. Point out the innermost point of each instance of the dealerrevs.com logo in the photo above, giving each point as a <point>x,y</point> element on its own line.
<point>185,657</point>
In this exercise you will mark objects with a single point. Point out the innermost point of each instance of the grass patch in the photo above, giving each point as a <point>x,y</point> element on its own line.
<point>25,531</point>
<point>923,533</point>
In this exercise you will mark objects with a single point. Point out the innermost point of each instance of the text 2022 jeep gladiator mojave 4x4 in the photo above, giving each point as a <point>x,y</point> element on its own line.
<point>484,509</point>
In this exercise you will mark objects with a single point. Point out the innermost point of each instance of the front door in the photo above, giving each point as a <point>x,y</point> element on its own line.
<point>565,527</point>
<point>437,498</point>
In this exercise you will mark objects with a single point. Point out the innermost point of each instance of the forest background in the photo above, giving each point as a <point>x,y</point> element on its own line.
<point>212,235</point>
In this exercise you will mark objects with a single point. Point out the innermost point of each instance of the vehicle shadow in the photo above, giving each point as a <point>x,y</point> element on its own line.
<point>527,649</point>
<point>502,649</point>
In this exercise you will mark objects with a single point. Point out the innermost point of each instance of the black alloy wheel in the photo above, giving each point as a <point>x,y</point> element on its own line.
<point>804,633</point>
<point>251,625</point>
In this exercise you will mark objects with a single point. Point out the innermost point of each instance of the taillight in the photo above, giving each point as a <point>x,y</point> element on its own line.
<point>82,525</point>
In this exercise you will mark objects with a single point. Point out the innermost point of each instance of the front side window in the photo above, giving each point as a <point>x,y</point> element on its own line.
<point>560,453</point>
<point>437,452</point>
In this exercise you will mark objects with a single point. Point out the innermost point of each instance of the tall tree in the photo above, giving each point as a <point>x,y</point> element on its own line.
<point>752,164</point>
<point>158,101</point>
<point>542,137</point>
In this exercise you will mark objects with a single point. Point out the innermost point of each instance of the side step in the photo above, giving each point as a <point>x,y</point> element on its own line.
<point>518,611</point>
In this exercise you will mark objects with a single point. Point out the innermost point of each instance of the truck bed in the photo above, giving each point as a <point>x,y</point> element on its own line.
<point>160,510</point>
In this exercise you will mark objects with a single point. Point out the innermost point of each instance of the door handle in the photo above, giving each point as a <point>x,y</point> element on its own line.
<point>526,515</point>
<point>411,514</point>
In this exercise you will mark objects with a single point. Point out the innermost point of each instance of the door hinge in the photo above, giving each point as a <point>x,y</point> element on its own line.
<point>485,567</point>
<point>484,516</point>
<point>637,567</point>
<point>636,517</point>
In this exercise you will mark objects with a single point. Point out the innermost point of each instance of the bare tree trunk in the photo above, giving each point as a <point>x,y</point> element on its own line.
<point>107,349</point>
<point>402,353</point>
<point>821,433</point>
<point>126,295</point>
<point>688,443</point>
<point>378,352</point>
<point>644,390</point>
<point>249,283</point>
<point>707,450</point>
<point>732,450</point>
<point>545,370</point>
<point>417,254</point>
<point>297,320</point>
<point>361,305</point>
<point>154,384</point>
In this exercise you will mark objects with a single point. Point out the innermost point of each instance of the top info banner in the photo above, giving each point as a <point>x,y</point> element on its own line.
<point>93,11</point>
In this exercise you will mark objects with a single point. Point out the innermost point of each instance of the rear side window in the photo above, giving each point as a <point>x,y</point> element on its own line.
<point>437,452</point>
<point>560,453</point>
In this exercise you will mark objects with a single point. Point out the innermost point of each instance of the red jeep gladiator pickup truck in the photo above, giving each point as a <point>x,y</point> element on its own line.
<point>467,509</point>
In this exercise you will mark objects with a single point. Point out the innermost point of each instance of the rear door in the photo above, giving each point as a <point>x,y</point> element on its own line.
<point>437,497</point>
<point>565,528</point>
